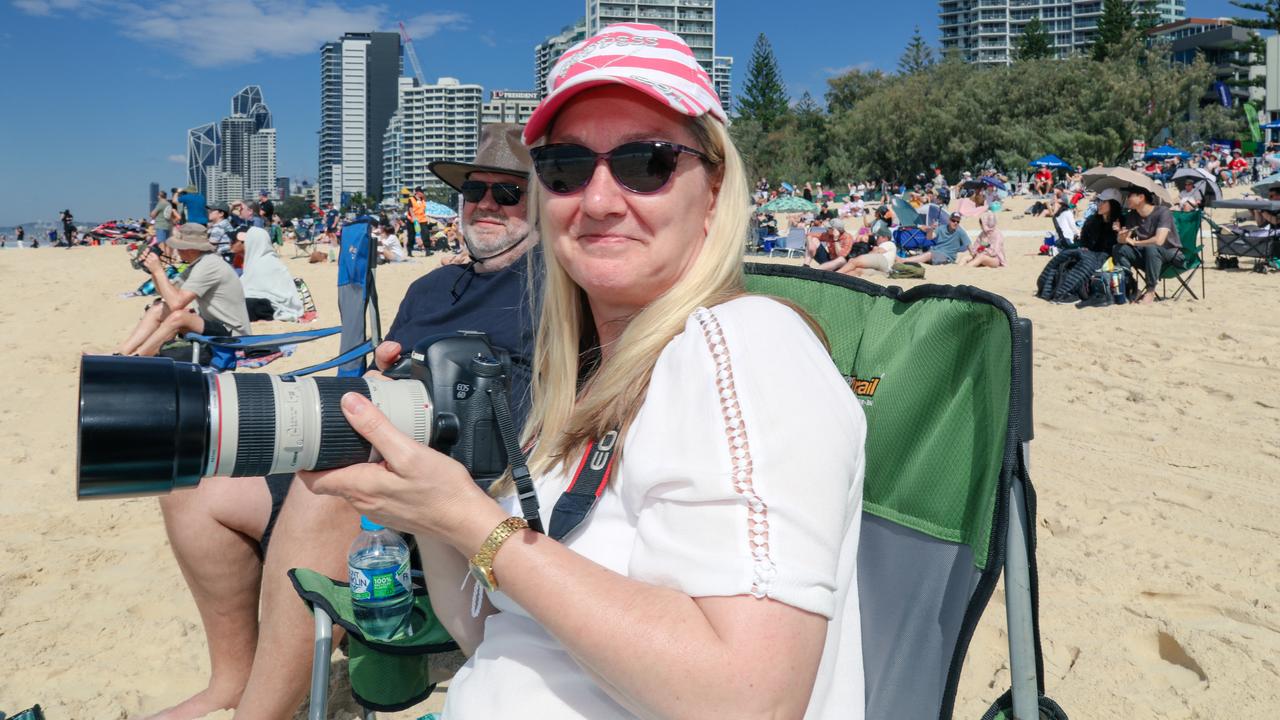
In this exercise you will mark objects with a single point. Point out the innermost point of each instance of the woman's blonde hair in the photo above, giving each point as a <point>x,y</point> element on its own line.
<point>576,396</point>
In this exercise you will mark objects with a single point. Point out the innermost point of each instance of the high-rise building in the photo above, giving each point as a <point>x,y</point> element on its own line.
<point>508,106</point>
<point>392,171</point>
<point>547,52</point>
<point>203,144</point>
<point>153,193</point>
<point>722,79</point>
<point>987,31</point>
<point>358,94</point>
<point>692,20</point>
<point>440,121</point>
<point>262,161</point>
<point>1224,46</point>
<point>282,187</point>
<point>225,186</point>
<point>234,156</point>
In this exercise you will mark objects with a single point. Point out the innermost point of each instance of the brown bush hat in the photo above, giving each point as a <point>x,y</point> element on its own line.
<point>191,236</point>
<point>500,151</point>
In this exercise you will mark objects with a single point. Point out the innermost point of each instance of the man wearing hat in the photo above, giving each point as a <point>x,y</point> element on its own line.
<point>260,636</point>
<point>208,282</point>
<point>948,241</point>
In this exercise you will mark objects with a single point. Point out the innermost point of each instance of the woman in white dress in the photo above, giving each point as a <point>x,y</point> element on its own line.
<point>715,575</point>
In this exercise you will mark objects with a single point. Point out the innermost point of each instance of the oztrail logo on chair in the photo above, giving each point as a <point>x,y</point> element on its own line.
<point>865,389</point>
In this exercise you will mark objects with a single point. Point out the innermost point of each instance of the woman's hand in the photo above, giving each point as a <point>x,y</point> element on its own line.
<point>414,489</point>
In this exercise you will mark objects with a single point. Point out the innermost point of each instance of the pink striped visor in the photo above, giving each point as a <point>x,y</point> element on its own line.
<point>643,57</point>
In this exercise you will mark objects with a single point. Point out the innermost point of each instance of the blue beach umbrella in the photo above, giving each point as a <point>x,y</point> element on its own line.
<point>436,210</point>
<point>1051,161</point>
<point>1273,125</point>
<point>994,182</point>
<point>1166,151</point>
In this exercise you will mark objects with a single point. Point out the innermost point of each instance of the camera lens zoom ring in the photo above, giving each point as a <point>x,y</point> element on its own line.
<point>340,445</point>
<point>255,452</point>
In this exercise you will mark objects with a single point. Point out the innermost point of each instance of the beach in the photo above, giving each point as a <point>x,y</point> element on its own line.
<point>1155,463</point>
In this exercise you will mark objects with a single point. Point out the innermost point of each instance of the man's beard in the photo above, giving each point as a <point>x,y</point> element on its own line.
<point>483,245</point>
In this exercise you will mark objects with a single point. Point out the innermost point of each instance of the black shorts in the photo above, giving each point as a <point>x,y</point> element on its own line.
<point>278,486</point>
<point>259,309</point>
<point>214,328</point>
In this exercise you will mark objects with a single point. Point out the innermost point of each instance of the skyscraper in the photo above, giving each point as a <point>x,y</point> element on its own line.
<point>203,143</point>
<point>262,161</point>
<point>153,192</point>
<point>440,121</point>
<point>547,52</point>
<point>987,31</point>
<point>722,79</point>
<point>508,106</point>
<point>358,93</point>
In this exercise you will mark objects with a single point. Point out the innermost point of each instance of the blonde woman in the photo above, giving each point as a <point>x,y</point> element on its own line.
<point>715,575</point>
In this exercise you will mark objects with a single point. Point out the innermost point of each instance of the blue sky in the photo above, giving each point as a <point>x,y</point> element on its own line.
<point>99,93</point>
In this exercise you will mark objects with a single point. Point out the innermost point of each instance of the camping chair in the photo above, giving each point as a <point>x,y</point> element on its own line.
<point>1188,227</point>
<point>361,328</point>
<point>909,236</point>
<point>793,242</point>
<point>947,501</point>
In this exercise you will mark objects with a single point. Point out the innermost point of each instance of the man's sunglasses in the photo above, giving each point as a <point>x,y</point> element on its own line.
<point>473,191</point>
<point>641,167</point>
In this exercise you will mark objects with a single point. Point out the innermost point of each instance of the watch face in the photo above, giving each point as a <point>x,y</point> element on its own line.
<point>484,577</point>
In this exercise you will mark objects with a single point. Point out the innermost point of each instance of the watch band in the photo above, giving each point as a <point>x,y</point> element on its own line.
<point>483,559</point>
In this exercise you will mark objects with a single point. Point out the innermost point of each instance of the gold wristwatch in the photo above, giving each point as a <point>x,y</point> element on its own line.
<point>482,562</point>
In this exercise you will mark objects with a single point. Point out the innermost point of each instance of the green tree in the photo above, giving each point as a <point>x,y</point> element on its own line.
<point>764,96</point>
<point>847,89</point>
<point>916,56</point>
<point>293,207</point>
<point>1115,28</point>
<point>1034,42</point>
<point>1255,45</point>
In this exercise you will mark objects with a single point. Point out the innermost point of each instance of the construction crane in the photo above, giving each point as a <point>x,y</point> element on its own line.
<point>413,56</point>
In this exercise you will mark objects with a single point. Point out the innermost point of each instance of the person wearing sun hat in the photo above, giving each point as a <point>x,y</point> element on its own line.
<point>690,555</point>
<point>208,282</point>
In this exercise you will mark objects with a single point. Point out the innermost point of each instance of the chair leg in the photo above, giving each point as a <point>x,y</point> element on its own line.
<point>319,708</point>
<point>1018,610</point>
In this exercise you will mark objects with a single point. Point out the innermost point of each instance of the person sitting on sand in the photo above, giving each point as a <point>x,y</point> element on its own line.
<point>948,241</point>
<point>208,282</point>
<point>879,259</point>
<point>389,247</point>
<point>988,248</point>
<point>1149,238</point>
<point>269,290</point>
<point>830,248</point>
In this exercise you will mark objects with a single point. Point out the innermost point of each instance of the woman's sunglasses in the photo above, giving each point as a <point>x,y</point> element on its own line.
<point>641,167</point>
<point>473,191</point>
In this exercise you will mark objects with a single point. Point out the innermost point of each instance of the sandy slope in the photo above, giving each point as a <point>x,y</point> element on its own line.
<point>1156,456</point>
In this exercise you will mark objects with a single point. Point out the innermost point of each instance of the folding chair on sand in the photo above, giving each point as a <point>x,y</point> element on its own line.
<point>1188,226</point>
<point>792,242</point>
<point>947,505</point>
<point>361,328</point>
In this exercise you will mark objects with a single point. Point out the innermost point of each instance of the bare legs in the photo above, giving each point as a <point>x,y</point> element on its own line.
<point>811,244</point>
<point>213,530</point>
<point>982,260</point>
<point>158,326</point>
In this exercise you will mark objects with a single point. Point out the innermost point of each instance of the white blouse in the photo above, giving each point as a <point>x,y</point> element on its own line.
<point>741,475</point>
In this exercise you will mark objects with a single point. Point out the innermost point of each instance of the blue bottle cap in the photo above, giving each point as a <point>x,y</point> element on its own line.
<point>371,526</point>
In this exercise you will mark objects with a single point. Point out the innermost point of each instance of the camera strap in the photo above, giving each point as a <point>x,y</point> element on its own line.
<point>588,484</point>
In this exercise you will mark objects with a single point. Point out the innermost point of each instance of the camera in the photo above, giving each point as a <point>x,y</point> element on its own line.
<point>149,425</point>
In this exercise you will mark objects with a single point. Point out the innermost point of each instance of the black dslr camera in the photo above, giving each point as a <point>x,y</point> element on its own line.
<point>149,425</point>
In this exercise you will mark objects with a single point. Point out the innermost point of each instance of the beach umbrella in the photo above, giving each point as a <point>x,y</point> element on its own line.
<point>1166,151</point>
<point>994,182</point>
<point>1273,125</point>
<point>1262,186</point>
<point>1050,161</point>
<point>1119,178</point>
<point>789,204</point>
<point>1208,186</point>
<point>436,210</point>
<point>788,187</point>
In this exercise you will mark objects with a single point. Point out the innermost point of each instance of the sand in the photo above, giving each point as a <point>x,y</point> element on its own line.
<point>1156,455</point>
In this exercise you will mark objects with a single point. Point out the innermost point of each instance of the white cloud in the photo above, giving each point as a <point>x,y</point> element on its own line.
<point>207,34</point>
<point>864,66</point>
<point>180,159</point>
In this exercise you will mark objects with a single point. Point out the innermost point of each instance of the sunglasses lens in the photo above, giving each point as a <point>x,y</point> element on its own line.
<point>506,193</point>
<point>473,192</point>
<point>643,167</point>
<point>564,168</point>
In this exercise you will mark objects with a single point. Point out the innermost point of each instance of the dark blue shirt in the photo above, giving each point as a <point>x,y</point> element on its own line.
<point>195,205</point>
<point>455,298</point>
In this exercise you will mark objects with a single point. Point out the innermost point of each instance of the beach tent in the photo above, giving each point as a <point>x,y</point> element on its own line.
<point>1052,162</point>
<point>1166,151</point>
<point>789,204</point>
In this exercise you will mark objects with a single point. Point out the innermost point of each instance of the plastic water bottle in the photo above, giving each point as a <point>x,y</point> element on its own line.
<point>381,590</point>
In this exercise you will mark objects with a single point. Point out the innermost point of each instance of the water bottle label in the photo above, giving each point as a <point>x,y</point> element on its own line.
<point>378,583</point>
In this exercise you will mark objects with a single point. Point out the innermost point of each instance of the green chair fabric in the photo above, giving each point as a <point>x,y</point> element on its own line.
<point>1188,226</point>
<point>943,375</point>
<point>386,676</point>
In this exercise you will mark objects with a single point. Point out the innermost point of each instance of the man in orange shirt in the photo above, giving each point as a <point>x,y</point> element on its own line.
<point>830,249</point>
